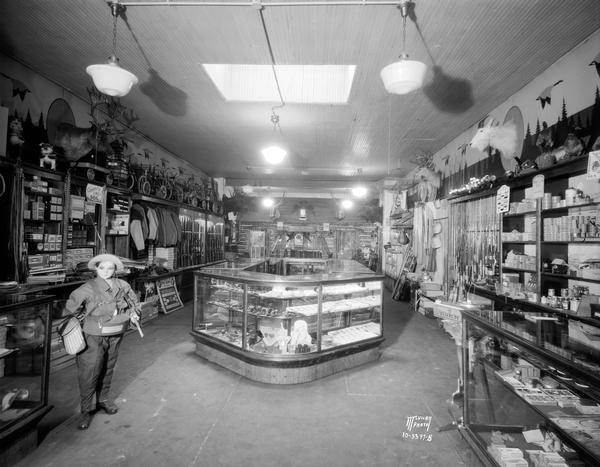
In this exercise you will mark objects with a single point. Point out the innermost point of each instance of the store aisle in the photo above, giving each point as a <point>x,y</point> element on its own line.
<point>180,410</point>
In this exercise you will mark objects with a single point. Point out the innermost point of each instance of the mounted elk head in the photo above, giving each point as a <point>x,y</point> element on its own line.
<point>106,132</point>
<point>77,142</point>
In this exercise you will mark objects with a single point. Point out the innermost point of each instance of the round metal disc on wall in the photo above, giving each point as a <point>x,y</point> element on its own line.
<point>514,114</point>
<point>59,112</point>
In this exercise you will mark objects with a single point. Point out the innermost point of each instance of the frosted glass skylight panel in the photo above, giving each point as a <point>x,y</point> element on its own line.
<point>302,84</point>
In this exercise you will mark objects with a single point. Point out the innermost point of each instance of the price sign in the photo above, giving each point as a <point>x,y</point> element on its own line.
<point>502,199</point>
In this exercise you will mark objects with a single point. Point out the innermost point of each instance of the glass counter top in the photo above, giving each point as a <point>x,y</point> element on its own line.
<point>10,300</point>
<point>352,273</point>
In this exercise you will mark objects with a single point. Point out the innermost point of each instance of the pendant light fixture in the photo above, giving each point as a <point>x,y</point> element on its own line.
<point>109,78</point>
<point>403,76</point>
<point>359,190</point>
<point>274,154</point>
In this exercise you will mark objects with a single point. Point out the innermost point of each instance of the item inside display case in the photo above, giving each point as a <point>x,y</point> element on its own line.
<point>22,361</point>
<point>548,412</point>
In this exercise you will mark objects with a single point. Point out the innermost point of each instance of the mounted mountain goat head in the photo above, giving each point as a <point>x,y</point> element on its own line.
<point>500,138</point>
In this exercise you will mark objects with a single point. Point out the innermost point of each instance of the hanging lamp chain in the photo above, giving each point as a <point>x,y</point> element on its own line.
<point>114,43</point>
<point>116,9</point>
<point>403,7</point>
<point>275,121</point>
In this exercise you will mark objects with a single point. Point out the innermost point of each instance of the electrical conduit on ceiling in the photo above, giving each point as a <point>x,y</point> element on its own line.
<point>259,4</point>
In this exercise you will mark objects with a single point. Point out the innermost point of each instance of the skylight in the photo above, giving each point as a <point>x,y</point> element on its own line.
<point>303,84</point>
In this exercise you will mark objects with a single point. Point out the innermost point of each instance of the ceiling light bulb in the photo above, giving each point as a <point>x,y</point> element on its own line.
<point>268,202</point>
<point>359,191</point>
<point>347,204</point>
<point>274,154</point>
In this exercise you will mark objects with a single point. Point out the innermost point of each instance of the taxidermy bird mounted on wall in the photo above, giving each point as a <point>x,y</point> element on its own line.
<point>596,63</point>
<point>18,87</point>
<point>545,96</point>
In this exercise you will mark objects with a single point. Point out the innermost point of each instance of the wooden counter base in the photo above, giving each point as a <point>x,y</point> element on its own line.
<point>288,371</point>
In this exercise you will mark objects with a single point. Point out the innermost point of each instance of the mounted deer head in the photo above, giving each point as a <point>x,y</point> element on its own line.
<point>274,213</point>
<point>339,209</point>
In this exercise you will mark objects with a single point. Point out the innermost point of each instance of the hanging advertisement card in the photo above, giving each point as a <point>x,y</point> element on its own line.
<point>95,193</point>
<point>168,295</point>
<point>593,169</point>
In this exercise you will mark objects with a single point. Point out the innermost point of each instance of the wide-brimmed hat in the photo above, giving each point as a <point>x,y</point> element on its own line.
<point>105,257</point>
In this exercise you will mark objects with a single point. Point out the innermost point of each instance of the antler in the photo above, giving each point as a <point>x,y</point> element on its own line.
<point>280,201</point>
<point>114,110</point>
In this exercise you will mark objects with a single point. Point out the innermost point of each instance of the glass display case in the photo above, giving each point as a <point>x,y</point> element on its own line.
<point>532,388</point>
<point>190,250</point>
<point>280,326</point>
<point>24,352</point>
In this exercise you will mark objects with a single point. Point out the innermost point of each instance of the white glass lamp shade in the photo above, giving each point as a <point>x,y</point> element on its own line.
<point>109,78</point>
<point>403,76</point>
<point>274,154</point>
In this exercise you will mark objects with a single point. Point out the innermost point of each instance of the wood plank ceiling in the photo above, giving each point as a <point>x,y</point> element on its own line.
<point>490,48</point>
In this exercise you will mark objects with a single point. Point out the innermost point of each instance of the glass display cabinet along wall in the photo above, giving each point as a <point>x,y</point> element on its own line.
<point>287,329</point>
<point>24,364</point>
<point>190,250</point>
<point>532,388</point>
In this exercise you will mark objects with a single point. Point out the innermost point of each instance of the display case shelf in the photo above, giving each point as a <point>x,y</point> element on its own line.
<point>573,278</point>
<point>520,214</point>
<point>571,242</point>
<point>510,268</point>
<point>566,208</point>
<point>525,305</point>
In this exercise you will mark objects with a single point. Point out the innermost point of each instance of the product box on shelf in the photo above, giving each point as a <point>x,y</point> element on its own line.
<point>38,261</point>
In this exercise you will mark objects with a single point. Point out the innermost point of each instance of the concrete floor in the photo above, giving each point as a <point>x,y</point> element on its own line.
<point>177,409</point>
